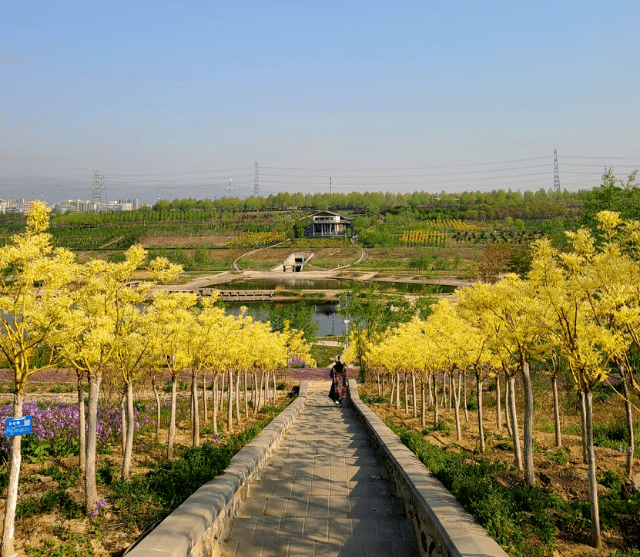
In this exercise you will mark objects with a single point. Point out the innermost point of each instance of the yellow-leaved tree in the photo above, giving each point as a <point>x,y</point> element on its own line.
<point>564,282</point>
<point>168,322</point>
<point>504,310</point>
<point>34,300</point>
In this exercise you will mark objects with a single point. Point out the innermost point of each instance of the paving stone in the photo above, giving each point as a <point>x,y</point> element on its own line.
<point>340,529</point>
<point>316,529</point>
<point>339,506</point>
<point>275,506</point>
<point>364,529</point>
<point>249,548</point>
<point>267,528</point>
<point>296,507</point>
<point>301,548</point>
<point>354,548</point>
<point>360,507</point>
<point>317,495</point>
<point>282,488</point>
<point>275,548</point>
<point>318,506</point>
<point>261,488</point>
<point>242,528</point>
<point>327,549</point>
<point>379,549</point>
<point>291,528</point>
<point>252,506</point>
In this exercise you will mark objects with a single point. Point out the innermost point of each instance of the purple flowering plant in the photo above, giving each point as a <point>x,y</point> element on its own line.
<point>297,362</point>
<point>55,430</point>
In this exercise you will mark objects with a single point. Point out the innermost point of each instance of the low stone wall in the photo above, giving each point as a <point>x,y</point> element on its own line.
<point>196,528</point>
<point>443,528</point>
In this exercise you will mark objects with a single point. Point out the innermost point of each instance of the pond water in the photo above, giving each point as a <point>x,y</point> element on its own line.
<point>327,284</point>
<point>325,314</point>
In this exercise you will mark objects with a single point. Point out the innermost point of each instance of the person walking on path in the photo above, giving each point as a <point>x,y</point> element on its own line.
<point>339,384</point>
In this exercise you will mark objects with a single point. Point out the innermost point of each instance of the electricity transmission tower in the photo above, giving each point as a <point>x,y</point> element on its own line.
<point>556,175</point>
<point>98,188</point>
<point>256,180</point>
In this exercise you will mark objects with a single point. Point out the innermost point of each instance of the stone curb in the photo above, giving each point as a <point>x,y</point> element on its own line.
<point>442,526</point>
<point>198,526</point>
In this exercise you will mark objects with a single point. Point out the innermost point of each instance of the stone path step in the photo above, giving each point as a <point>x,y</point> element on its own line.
<point>322,494</point>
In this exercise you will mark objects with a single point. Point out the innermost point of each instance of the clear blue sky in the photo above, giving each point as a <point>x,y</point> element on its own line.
<point>174,99</point>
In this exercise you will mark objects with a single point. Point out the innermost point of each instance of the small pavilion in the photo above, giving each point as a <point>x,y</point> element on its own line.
<point>326,224</point>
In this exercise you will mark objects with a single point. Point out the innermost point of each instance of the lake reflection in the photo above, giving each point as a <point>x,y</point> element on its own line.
<point>325,314</point>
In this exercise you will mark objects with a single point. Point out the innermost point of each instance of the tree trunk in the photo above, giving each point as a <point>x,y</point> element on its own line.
<point>498,403</point>
<point>515,436</point>
<point>583,418</point>
<point>507,407</point>
<point>451,387</point>
<point>256,408</point>
<point>443,400</point>
<point>430,390</point>
<point>456,400</point>
<point>128,447</point>
<point>123,422</point>
<point>595,537</point>
<point>230,402</point>
<point>90,486</point>
<point>172,419</point>
<point>436,418</point>
<point>246,395</point>
<point>556,410</point>
<point>215,405</point>
<point>529,470</point>
<point>629,412</point>
<point>82,427</point>
<point>205,414</point>
<point>423,417</point>
<point>393,385</point>
<point>415,400</point>
<point>156,394</point>
<point>379,386</point>
<point>406,394</point>
<point>464,400</point>
<point>238,397</point>
<point>221,399</point>
<point>196,409</point>
<point>15,457</point>
<point>480,421</point>
<point>397,390</point>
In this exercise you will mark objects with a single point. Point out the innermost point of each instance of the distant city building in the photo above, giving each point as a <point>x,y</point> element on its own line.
<point>72,205</point>
<point>14,205</point>
<point>328,225</point>
<point>92,206</point>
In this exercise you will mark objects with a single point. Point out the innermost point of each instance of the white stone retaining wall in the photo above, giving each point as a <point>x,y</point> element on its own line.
<point>443,528</point>
<point>197,527</point>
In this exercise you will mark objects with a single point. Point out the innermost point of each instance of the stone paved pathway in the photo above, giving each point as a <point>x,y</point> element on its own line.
<point>322,494</point>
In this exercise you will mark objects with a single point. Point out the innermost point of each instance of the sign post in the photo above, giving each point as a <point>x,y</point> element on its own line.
<point>17,426</point>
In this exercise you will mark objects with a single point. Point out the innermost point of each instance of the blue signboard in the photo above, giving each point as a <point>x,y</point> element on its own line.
<point>17,426</point>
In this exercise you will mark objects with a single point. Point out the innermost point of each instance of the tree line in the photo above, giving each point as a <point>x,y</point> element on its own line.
<point>95,318</point>
<point>577,313</point>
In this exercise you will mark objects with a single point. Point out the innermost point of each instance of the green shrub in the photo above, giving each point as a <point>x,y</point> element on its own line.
<point>50,548</point>
<point>517,518</point>
<point>145,499</point>
<point>51,500</point>
<point>559,457</point>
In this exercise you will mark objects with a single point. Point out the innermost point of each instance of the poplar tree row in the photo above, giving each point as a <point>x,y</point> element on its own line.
<point>578,310</point>
<point>94,318</point>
